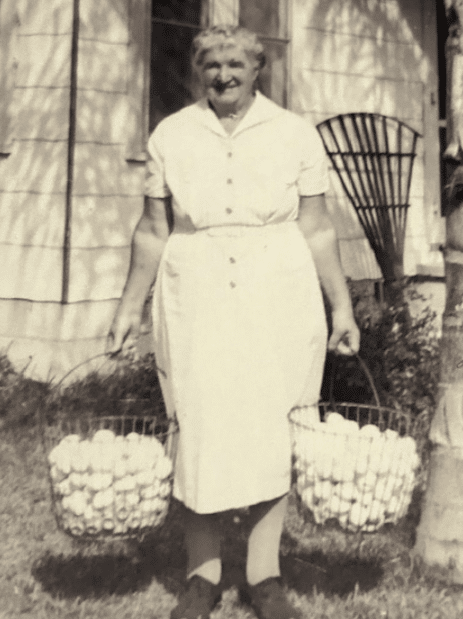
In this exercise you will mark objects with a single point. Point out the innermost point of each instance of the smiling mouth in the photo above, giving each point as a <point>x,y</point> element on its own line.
<point>223,87</point>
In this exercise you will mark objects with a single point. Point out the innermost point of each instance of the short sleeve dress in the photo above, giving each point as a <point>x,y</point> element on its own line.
<point>238,317</point>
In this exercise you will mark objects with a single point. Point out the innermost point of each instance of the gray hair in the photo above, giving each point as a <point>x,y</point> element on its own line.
<point>227,36</point>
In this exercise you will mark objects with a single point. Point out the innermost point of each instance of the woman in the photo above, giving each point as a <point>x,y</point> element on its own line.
<point>239,323</point>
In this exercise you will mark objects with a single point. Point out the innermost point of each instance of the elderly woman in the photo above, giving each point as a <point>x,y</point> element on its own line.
<point>239,323</point>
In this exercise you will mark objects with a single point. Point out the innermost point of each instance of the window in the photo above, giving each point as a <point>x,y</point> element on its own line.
<point>174,25</point>
<point>269,19</point>
<point>161,82</point>
<point>8,22</point>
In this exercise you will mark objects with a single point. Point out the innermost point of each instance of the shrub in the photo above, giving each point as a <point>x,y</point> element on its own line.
<point>402,354</point>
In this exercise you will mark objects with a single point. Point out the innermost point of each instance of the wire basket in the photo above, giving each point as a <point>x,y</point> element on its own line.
<point>357,465</point>
<point>111,468</point>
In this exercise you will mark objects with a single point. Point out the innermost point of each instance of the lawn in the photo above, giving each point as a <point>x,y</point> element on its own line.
<point>45,574</point>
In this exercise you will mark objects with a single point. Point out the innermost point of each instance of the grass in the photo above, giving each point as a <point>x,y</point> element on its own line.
<point>45,574</point>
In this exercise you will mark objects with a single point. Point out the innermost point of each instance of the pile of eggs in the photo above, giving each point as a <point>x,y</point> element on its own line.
<point>110,484</point>
<point>361,476</point>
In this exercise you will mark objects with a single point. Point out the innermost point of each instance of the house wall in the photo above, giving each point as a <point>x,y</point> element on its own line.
<point>38,331</point>
<point>345,57</point>
<point>377,56</point>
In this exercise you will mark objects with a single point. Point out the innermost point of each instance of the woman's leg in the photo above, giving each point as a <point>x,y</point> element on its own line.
<point>204,569</point>
<point>264,541</point>
<point>202,539</point>
<point>265,592</point>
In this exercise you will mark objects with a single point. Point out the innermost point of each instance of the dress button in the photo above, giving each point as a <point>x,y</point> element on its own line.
<point>229,154</point>
<point>232,260</point>
<point>229,181</point>
<point>232,285</point>
<point>229,210</point>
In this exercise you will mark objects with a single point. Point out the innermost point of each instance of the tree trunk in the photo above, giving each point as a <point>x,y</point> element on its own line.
<point>440,532</point>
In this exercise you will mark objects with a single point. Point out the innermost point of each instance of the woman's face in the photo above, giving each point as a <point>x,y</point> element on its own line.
<point>228,75</point>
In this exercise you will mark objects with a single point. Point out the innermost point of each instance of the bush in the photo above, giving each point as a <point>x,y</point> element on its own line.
<point>402,354</point>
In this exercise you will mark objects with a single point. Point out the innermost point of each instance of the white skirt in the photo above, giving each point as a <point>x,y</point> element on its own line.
<point>240,339</point>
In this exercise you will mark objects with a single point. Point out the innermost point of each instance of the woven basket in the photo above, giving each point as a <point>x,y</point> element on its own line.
<point>110,469</point>
<point>357,465</point>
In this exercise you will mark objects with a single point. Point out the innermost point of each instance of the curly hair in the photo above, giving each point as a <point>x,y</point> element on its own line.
<point>227,36</point>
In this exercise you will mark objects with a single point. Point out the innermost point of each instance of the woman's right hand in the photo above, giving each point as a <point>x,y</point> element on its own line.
<point>124,332</point>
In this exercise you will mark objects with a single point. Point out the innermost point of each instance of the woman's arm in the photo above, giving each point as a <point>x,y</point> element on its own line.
<point>148,242</point>
<point>317,228</point>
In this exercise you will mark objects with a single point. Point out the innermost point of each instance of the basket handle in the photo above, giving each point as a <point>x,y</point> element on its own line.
<point>367,373</point>
<point>82,363</point>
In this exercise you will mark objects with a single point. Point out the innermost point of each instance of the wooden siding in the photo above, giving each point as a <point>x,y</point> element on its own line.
<point>107,190</point>
<point>33,176</point>
<point>380,56</point>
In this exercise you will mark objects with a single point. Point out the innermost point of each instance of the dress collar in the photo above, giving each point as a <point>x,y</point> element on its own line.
<point>261,110</point>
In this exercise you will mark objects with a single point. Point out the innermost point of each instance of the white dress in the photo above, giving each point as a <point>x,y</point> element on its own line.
<point>239,324</point>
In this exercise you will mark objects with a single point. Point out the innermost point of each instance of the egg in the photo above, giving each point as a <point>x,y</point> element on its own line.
<point>126,484</point>
<point>99,481</point>
<point>149,492</point>
<point>104,436</point>
<point>334,418</point>
<point>358,515</point>
<point>370,430</point>
<point>346,491</point>
<point>77,503</point>
<point>164,467</point>
<point>146,477</point>
<point>103,498</point>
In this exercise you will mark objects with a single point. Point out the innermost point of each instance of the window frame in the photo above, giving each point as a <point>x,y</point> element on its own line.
<point>213,12</point>
<point>9,23</point>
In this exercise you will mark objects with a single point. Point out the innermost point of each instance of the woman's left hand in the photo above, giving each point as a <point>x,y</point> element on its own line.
<point>345,337</point>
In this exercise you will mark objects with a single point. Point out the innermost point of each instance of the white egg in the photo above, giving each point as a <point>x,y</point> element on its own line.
<point>134,519</point>
<point>344,468</point>
<point>56,474</point>
<point>391,435</point>
<point>324,464</point>
<point>63,460</point>
<point>99,481</point>
<point>71,438</point>
<point>370,430</point>
<point>323,491</point>
<point>107,457</point>
<point>146,478</point>
<point>334,418</point>
<point>133,437</point>
<point>103,499</point>
<point>104,436</point>
<point>131,499</point>
<point>120,528</point>
<point>376,513</point>
<point>125,484</point>
<point>358,515</point>
<point>307,496</point>
<point>120,468</point>
<point>338,506</point>
<point>367,482</point>
<point>149,492</point>
<point>385,489</point>
<point>64,487</point>
<point>164,490</point>
<point>78,503</point>
<point>164,467</point>
<point>346,491</point>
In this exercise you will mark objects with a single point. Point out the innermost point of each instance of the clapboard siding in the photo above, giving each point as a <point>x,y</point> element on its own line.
<point>347,55</point>
<point>33,180</point>
<point>104,221</point>
<point>373,57</point>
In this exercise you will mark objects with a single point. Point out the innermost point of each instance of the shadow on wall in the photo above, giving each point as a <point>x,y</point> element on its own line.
<point>360,55</point>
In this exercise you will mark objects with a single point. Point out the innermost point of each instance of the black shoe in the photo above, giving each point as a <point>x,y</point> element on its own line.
<point>198,600</point>
<point>268,600</point>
